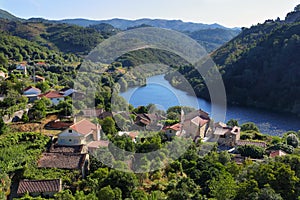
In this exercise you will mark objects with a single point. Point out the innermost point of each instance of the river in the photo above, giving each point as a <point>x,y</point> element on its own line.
<point>159,92</point>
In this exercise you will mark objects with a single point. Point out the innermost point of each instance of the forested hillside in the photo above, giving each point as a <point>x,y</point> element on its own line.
<point>62,37</point>
<point>260,67</point>
<point>15,49</point>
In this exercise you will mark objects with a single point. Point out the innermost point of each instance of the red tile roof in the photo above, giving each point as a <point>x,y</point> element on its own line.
<point>39,186</point>
<point>133,134</point>
<point>84,127</point>
<point>175,127</point>
<point>277,153</point>
<point>51,94</point>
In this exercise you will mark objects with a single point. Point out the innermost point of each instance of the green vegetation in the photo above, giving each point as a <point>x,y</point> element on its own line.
<point>212,39</point>
<point>260,67</point>
<point>63,37</point>
<point>202,172</point>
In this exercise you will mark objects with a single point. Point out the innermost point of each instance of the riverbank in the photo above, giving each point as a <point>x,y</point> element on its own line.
<point>159,91</point>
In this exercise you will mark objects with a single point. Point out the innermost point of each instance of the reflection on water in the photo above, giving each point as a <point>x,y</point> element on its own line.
<point>158,91</point>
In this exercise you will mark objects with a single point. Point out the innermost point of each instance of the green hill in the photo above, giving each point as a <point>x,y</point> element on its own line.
<point>260,67</point>
<point>6,15</point>
<point>63,37</point>
<point>15,49</point>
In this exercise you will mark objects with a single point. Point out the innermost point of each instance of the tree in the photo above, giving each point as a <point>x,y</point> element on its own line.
<point>249,126</point>
<point>223,187</point>
<point>65,107</point>
<point>43,86</point>
<point>3,127</point>
<point>4,185</point>
<point>38,110</point>
<point>127,182</point>
<point>108,126</point>
<point>64,195</point>
<point>3,60</point>
<point>25,118</point>
<point>106,193</point>
<point>251,151</point>
<point>232,123</point>
<point>292,140</point>
<point>139,194</point>
<point>268,193</point>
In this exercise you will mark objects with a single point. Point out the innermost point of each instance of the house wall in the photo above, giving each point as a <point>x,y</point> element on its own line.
<point>170,133</point>
<point>229,140</point>
<point>55,101</point>
<point>70,138</point>
<point>191,129</point>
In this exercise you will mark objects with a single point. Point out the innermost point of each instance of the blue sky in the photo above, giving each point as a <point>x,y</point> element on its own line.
<point>230,13</point>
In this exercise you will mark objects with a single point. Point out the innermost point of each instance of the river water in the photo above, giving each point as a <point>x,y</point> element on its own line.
<point>159,92</point>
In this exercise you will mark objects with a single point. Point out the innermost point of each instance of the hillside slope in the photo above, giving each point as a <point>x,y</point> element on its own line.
<point>260,67</point>
<point>63,37</point>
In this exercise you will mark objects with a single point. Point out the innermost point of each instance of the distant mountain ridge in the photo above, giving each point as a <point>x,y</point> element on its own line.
<point>210,36</point>
<point>6,15</point>
<point>124,24</point>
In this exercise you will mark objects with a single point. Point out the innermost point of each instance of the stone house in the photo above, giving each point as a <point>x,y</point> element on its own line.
<point>225,135</point>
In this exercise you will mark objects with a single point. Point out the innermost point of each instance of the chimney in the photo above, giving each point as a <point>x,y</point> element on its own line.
<point>97,133</point>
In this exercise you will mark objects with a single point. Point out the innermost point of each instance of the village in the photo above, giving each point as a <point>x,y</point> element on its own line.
<point>79,137</point>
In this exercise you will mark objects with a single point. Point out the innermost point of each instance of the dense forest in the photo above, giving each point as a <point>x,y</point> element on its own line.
<point>63,37</point>
<point>260,67</point>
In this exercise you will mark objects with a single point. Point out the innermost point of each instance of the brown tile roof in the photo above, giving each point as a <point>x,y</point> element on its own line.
<point>51,94</point>
<point>246,142</point>
<point>90,112</point>
<point>65,149</point>
<point>97,144</point>
<point>62,160</point>
<point>39,186</point>
<point>84,127</point>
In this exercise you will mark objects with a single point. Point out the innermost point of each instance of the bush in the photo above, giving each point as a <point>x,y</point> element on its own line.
<point>292,140</point>
<point>252,151</point>
<point>249,126</point>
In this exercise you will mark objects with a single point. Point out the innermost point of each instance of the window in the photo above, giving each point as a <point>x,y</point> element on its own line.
<point>70,140</point>
<point>70,130</point>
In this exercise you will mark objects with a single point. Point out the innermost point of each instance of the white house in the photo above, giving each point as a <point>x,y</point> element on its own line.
<point>31,93</point>
<point>81,133</point>
<point>3,75</point>
<point>174,130</point>
<point>22,68</point>
<point>54,96</point>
